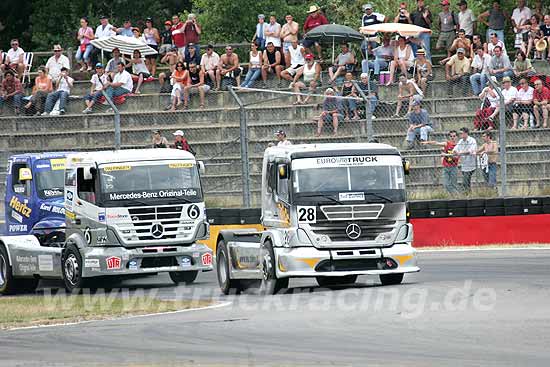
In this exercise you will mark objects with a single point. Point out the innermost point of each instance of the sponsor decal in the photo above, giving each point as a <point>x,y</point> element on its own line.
<point>347,161</point>
<point>351,196</point>
<point>117,216</point>
<point>101,240</point>
<point>19,189</point>
<point>17,228</point>
<point>185,261</point>
<point>57,163</point>
<point>52,208</point>
<point>206,259</point>
<point>43,166</point>
<point>52,192</point>
<point>91,263</point>
<point>307,214</point>
<point>152,194</point>
<point>113,262</point>
<point>70,195</point>
<point>70,215</point>
<point>117,168</point>
<point>133,265</point>
<point>17,216</point>
<point>180,165</point>
<point>45,262</point>
<point>101,217</point>
<point>26,263</point>
<point>20,207</point>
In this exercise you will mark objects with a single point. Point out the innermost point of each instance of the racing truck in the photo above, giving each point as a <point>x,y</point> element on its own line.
<point>329,211</point>
<point>86,216</point>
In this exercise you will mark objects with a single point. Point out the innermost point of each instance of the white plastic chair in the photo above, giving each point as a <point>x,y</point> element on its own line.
<point>29,56</point>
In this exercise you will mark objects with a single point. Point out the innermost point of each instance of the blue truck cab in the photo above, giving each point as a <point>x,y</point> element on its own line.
<point>34,203</point>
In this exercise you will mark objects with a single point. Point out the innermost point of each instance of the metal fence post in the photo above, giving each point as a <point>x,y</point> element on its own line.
<point>501,138</point>
<point>368,114</point>
<point>116,120</point>
<point>244,149</point>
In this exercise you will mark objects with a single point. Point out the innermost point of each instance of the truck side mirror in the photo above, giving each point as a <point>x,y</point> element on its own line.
<point>406,166</point>
<point>282,169</point>
<point>25,174</point>
<point>202,169</point>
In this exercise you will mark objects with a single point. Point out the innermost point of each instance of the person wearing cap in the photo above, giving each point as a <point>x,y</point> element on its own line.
<point>166,39</point>
<point>383,55</point>
<point>11,90</point>
<point>466,19</point>
<point>85,35</point>
<point>181,143</point>
<point>500,64</point>
<point>178,34</point>
<point>422,17</point>
<point>297,60</point>
<point>403,16</point>
<point>192,31</point>
<point>448,161</point>
<point>125,30</point>
<point>289,33</point>
<point>272,61</point>
<point>112,64</point>
<point>541,104</point>
<point>332,112</point>
<point>466,150</point>
<point>495,20</point>
<point>152,39</point>
<point>98,82</point>
<point>369,18</point>
<point>522,66</point>
<point>63,86</point>
<point>447,22</point>
<point>313,20</point>
<point>56,62</point>
<point>420,124</point>
<point>259,34</point>
<point>480,69</point>
<point>191,55</point>
<point>457,72</point>
<point>490,107</point>
<point>311,73</point>
<point>209,63</point>
<point>523,106</point>
<point>343,63</point>
<point>159,141</point>
<point>281,138</point>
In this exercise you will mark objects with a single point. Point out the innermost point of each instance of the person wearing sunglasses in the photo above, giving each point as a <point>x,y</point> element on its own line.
<point>57,62</point>
<point>15,59</point>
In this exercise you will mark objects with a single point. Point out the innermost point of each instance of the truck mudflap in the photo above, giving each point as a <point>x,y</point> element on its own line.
<point>101,261</point>
<point>309,261</point>
<point>28,258</point>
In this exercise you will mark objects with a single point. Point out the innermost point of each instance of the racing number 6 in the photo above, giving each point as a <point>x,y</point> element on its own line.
<point>307,214</point>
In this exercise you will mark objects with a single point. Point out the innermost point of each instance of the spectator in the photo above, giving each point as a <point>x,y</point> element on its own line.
<point>158,140</point>
<point>281,138</point>
<point>344,62</point>
<point>422,17</point>
<point>191,55</point>
<point>196,85</point>
<point>170,58</point>
<point>403,58</point>
<point>480,69</point>
<point>289,33</point>
<point>259,35</point>
<point>179,80</point>
<point>103,30</point>
<point>15,59</point>
<point>383,55</point>
<point>85,35</point>
<point>423,70</point>
<point>57,62</point>
<point>370,89</point>
<point>466,150</point>
<point>228,67</point>
<point>137,34</point>
<point>178,35</point>
<point>126,29</point>
<point>539,10</point>
<point>495,20</point>
<point>209,63</point>
<point>408,91</point>
<point>493,43</point>
<point>522,66</point>
<point>311,73</point>
<point>332,112</point>
<point>192,32</point>
<point>447,22</point>
<point>138,69</point>
<point>181,143</point>
<point>254,66</point>
<point>449,161</point>
<point>99,82</point>
<point>112,65</point>
<point>520,18</point>
<point>152,39</point>
<point>534,35</point>
<point>313,20</point>
<point>349,104</point>
<point>273,32</point>
<point>488,153</point>
<point>510,94</point>
<point>500,65</point>
<point>11,91</point>
<point>370,18</point>
<point>297,60</point>
<point>461,42</point>
<point>166,39</point>
<point>490,107</point>
<point>457,71</point>
<point>64,83</point>
<point>545,29</point>
<point>476,43</point>
<point>420,125</point>
<point>523,106</point>
<point>541,103</point>
<point>122,83</point>
<point>271,62</point>
<point>42,86</point>
<point>403,16</point>
<point>466,19</point>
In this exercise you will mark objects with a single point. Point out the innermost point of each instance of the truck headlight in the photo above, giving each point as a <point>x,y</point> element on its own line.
<point>403,233</point>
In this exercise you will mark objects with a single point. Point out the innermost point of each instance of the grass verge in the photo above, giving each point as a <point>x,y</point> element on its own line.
<point>21,311</point>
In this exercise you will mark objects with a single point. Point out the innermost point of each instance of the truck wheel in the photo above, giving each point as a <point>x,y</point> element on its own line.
<point>187,277</point>
<point>223,271</point>
<point>71,269</point>
<point>9,284</point>
<point>269,283</point>
<point>391,279</point>
<point>336,281</point>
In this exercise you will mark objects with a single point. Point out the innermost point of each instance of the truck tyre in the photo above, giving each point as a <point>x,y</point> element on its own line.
<point>391,279</point>
<point>336,281</point>
<point>227,285</point>
<point>71,269</point>
<point>9,284</point>
<point>269,283</point>
<point>187,277</point>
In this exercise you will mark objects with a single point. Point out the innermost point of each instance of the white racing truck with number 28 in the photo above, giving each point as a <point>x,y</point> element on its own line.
<point>329,211</point>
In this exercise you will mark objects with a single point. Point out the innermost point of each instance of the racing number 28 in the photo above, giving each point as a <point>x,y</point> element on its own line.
<point>307,214</point>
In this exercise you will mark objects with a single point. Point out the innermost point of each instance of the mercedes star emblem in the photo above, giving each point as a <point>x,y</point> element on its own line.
<point>157,230</point>
<point>353,231</point>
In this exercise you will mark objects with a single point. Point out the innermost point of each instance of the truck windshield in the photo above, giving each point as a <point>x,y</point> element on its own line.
<point>382,178</point>
<point>49,177</point>
<point>170,182</point>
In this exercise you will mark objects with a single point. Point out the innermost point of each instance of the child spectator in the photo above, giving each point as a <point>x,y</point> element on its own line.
<point>166,39</point>
<point>64,83</point>
<point>99,82</point>
<point>181,143</point>
<point>488,154</point>
<point>449,161</point>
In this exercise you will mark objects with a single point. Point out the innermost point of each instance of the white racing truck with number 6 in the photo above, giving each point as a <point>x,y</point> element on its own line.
<point>329,211</point>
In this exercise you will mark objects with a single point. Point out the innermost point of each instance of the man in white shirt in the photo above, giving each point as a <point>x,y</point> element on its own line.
<point>509,92</point>
<point>122,83</point>
<point>56,63</point>
<point>480,69</point>
<point>524,104</point>
<point>103,30</point>
<point>466,19</point>
<point>466,150</point>
<point>64,84</point>
<point>297,53</point>
<point>520,17</point>
<point>493,43</point>
<point>273,32</point>
<point>99,82</point>
<point>281,138</point>
<point>15,59</point>
<point>209,62</point>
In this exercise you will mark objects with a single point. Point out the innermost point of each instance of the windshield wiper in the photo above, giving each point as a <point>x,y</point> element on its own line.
<point>379,196</point>
<point>322,196</point>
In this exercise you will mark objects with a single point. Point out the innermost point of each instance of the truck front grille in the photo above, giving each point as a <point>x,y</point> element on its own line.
<point>336,230</point>
<point>352,212</point>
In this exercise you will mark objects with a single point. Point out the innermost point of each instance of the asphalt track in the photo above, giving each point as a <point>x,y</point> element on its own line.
<point>482,308</point>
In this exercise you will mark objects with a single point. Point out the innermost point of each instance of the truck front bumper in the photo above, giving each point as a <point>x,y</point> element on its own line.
<point>311,262</point>
<point>101,261</point>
